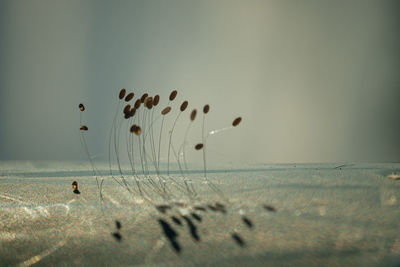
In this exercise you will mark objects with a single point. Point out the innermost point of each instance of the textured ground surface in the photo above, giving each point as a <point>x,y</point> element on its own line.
<point>324,214</point>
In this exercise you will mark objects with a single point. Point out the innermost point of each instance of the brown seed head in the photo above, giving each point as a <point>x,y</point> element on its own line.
<point>184,105</point>
<point>236,121</point>
<point>156,100</point>
<point>132,112</point>
<point>84,128</point>
<point>129,97</point>
<point>148,102</point>
<point>144,97</point>
<point>127,109</point>
<point>206,109</point>
<point>173,95</point>
<point>199,146</point>
<point>166,110</point>
<point>193,114</point>
<point>81,107</point>
<point>138,103</point>
<point>136,129</point>
<point>122,93</point>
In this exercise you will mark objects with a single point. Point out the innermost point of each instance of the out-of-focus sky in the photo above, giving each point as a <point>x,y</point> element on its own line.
<point>314,80</point>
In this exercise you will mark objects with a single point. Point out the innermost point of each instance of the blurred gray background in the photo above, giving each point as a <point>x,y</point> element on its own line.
<point>314,81</point>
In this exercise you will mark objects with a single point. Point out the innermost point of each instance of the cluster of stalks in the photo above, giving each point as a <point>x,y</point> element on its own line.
<point>136,126</point>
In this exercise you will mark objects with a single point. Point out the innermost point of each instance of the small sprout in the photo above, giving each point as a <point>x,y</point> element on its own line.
<point>81,107</point>
<point>184,105</point>
<point>193,114</point>
<point>238,239</point>
<point>129,97</point>
<point>166,110</point>
<point>247,221</point>
<point>156,100</point>
<point>236,121</point>
<point>118,224</point>
<point>84,128</point>
<point>144,97</point>
<point>269,208</point>
<point>136,129</point>
<point>148,102</point>
<point>196,216</point>
<point>173,95</point>
<point>117,236</point>
<point>122,93</point>
<point>127,109</point>
<point>217,207</point>
<point>138,103</point>
<point>206,109</point>
<point>220,207</point>
<point>176,220</point>
<point>198,146</point>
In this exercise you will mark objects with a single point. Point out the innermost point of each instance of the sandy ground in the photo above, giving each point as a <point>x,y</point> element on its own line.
<point>286,214</point>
